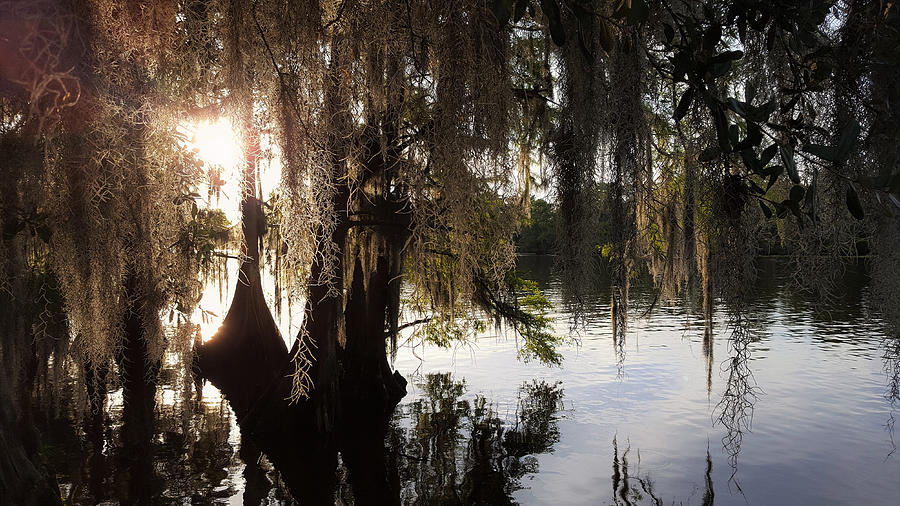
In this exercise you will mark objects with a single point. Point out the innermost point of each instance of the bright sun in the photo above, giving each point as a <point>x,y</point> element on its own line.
<point>218,144</point>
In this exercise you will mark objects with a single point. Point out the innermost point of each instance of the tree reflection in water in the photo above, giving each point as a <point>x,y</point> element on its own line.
<point>179,461</point>
<point>630,488</point>
<point>457,451</point>
<point>626,488</point>
<point>892,393</point>
<point>439,449</point>
<point>444,447</point>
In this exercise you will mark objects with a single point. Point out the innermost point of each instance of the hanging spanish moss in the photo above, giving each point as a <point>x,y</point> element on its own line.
<point>575,152</point>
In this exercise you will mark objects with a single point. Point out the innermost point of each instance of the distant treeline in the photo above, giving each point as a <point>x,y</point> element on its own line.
<point>539,232</point>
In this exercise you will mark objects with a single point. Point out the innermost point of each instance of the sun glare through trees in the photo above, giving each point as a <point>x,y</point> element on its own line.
<point>217,143</point>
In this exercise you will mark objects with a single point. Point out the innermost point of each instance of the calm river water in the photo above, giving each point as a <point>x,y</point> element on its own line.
<point>634,424</point>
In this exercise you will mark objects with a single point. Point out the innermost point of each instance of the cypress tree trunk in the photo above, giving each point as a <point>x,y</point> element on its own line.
<point>348,316</point>
<point>369,390</point>
<point>354,392</point>
<point>24,478</point>
<point>139,376</point>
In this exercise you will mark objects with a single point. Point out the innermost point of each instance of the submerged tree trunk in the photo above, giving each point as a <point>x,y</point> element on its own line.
<point>139,375</point>
<point>24,479</point>
<point>352,306</point>
<point>369,390</point>
<point>348,414</point>
<point>247,356</point>
<point>354,390</point>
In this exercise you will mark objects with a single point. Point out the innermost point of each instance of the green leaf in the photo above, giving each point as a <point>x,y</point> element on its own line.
<point>761,113</point>
<point>727,56</point>
<point>749,93</point>
<point>781,209</point>
<point>847,139</point>
<point>722,129</point>
<point>795,210</point>
<point>718,69</point>
<point>733,134</point>
<point>551,10</point>
<point>683,104</point>
<point>720,64</point>
<point>755,188</point>
<point>809,201</point>
<point>790,104</point>
<point>750,160</point>
<point>768,154</point>
<point>681,65</point>
<point>765,209</point>
<point>774,170</point>
<point>753,139</point>
<point>853,204</point>
<point>797,193</point>
<point>712,36</point>
<point>669,33</point>
<point>787,157</point>
<point>824,152</point>
<point>737,106</point>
